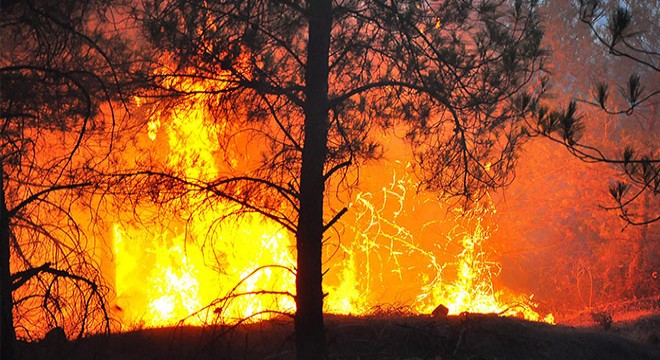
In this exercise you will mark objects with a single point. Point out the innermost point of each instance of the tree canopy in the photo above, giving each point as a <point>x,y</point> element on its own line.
<point>60,83</point>
<point>309,86</point>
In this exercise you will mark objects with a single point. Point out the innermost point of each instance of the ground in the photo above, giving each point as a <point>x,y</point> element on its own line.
<point>471,336</point>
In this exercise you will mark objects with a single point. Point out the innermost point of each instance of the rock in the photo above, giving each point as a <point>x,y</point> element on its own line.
<point>440,311</point>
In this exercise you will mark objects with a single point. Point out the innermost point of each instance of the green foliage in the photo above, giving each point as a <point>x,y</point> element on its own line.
<point>571,126</point>
<point>618,190</point>
<point>618,23</point>
<point>602,94</point>
<point>634,91</point>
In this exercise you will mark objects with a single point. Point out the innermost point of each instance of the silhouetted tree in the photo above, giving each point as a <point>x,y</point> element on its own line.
<point>636,40</point>
<point>612,114</point>
<point>58,78</point>
<point>630,33</point>
<point>633,42</point>
<point>309,85</point>
<point>609,69</point>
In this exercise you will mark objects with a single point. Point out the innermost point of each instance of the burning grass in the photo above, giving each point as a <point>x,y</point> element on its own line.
<point>394,336</point>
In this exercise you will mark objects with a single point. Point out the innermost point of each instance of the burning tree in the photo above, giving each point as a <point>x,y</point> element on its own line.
<point>58,78</point>
<point>310,86</point>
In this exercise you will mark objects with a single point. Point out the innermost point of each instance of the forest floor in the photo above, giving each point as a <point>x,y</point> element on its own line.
<point>471,336</point>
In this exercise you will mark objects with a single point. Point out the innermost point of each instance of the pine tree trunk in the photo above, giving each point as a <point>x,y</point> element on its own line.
<point>310,333</point>
<point>7,334</point>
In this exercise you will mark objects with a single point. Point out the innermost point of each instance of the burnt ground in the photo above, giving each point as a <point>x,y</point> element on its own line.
<point>463,337</point>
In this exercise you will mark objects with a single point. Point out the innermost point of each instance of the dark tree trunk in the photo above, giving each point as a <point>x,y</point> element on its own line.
<point>7,334</point>
<point>310,333</point>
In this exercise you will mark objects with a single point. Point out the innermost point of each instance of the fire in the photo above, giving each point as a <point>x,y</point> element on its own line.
<point>164,281</point>
<point>473,290</point>
<point>172,274</point>
<point>456,271</point>
<point>196,269</point>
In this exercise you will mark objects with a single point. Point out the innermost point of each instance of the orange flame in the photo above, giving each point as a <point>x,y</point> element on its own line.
<point>185,272</point>
<point>473,290</point>
<point>166,277</point>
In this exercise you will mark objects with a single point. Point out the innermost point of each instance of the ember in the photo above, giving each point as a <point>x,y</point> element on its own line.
<point>173,276</point>
<point>231,163</point>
